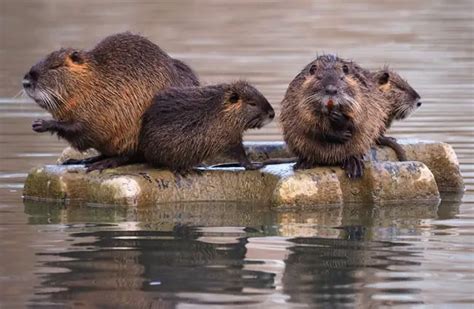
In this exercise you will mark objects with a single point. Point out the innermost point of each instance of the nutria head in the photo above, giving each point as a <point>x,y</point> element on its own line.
<point>54,81</point>
<point>402,97</point>
<point>329,82</point>
<point>252,107</point>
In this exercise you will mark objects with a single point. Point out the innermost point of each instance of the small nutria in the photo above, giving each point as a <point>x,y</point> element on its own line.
<point>402,100</point>
<point>185,126</point>
<point>329,98</point>
<point>97,97</point>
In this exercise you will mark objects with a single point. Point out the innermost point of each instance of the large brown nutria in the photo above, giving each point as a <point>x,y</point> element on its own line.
<point>327,99</point>
<point>402,100</point>
<point>185,126</point>
<point>97,97</point>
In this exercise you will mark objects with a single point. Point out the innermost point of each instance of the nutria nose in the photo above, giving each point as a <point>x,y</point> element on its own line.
<point>31,76</point>
<point>331,90</point>
<point>26,82</point>
<point>271,114</point>
<point>418,104</point>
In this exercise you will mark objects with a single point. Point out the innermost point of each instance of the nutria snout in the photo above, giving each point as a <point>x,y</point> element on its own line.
<point>327,88</point>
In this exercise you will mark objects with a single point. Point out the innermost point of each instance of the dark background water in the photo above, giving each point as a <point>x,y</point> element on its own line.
<point>233,254</point>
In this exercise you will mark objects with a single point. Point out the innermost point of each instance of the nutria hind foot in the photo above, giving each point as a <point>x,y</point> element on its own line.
<point>84,161</point>
<point>302,164</point>
<point>392,143</point>
<point>109,162</point>
<point>354,167</point>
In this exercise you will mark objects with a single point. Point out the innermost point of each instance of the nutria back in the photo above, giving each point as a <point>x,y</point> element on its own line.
<point>106,88</point>
<point>185,126</point>
<point>324,84</point>
<point>185,73</point>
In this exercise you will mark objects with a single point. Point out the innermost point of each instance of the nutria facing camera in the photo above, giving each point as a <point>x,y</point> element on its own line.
<point>329,98</point>
<point>185,126</point>
<point>97,97</point>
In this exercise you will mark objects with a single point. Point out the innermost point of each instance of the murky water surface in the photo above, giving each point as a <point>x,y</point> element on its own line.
<point>230,254</point>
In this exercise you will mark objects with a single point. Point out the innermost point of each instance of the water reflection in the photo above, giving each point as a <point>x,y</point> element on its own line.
<point>117,267</point>
<point>322,271</point>
<point>120,256</point>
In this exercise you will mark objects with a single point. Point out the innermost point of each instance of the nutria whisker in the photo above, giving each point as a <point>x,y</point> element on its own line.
<point>49,95</point>
<point>312,99</point>
<point>19,94</point>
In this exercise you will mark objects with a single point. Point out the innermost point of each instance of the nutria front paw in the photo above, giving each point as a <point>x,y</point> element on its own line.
<point>337,118</point>
<point>346,136</point>
<point>338,138</point>
<point>354,167</point>
<point>40,125</point>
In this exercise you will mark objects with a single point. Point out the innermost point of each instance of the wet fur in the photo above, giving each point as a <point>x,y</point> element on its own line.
<point>99,103</point>
<point>185,126</point>
<point>302,125</point>
<point>402,99</point>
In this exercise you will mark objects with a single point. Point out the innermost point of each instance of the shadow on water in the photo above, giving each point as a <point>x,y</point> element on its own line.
<point>158,256</point>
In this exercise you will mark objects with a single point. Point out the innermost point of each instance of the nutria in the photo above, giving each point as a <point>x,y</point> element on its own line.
<point>402,100</point>
<point>97,97</point>
<point>330,85</point>
<point>185,126</point>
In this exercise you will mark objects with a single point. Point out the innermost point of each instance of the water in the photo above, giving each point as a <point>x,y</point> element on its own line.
<point>232,254</point>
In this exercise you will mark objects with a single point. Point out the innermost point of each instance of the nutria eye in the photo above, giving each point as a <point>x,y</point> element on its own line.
<point>312,69</point>
<point>251,103</point>
<point>76,57</point>
<point>345,69</point>
<point>234,97</point>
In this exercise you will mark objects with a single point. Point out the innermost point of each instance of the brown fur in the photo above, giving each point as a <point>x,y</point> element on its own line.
<point>305,122</point>
<point>97,97</point>
<point>186,74</point>
<point>185,126</point>
<point>402,99</point>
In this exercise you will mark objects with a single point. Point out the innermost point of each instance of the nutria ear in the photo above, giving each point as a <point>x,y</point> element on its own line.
<point>383,78</point>
<point>76,57</point>
<point>234,97</point>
